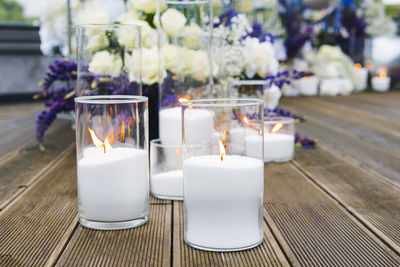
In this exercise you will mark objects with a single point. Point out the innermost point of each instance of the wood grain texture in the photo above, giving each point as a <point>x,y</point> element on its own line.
<point>32,227</point>
<point>381,130</point>
<point>379,109</point>
<point>388,99</point>
<point>370,154</point>
<point>29,163</point>
<point>147,245</point>
<point>317,230</point>
<point>360,192</point>
<point>267,254</point>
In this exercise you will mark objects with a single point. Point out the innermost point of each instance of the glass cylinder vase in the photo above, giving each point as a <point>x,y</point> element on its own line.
<point>223,173</point>
<point>186,63</point>
<point>109,59</point>
<point>112,161</point>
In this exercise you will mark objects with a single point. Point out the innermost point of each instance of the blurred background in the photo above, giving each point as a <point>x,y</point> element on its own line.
<point>24,61</point>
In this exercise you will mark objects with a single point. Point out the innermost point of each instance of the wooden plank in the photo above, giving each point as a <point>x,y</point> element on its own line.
<point>147,245</point>
<point>35,223</point>
<point>29,163</point>
<point>373,202</point>
<point>390,99</point>
<point>380,159</point>
<point>380,130</point>
<point>13,111</point>
<point>267,254</point>
<point>317,230</point>
<point>369,107</point>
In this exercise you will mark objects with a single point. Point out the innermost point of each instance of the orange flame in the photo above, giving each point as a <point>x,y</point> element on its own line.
<point>221,150</point>
<point>183,99</point>
<point>357,66</point>
<point>98,143</point>
<point>382,75</point>
<point>122,136</point>
<point>279,125</point>
<point>245,120</point>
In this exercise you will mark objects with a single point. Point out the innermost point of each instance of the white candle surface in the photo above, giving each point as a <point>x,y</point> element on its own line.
<point>380,84</point>
<point>113,186</point>
<point>168,184</point>
<point>277,147</point>
<point>361,79</point>
<point>200,121</point>
<point>307,85</point>
<point>223,201</point>
<point>236,139</point>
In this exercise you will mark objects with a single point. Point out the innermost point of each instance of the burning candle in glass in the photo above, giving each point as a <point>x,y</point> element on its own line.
<point>166,178</point>
<point>361,77</point>
<point>278,140</point>
<point>112,161</point>
<point>223,188</point>
<point>381,83</point>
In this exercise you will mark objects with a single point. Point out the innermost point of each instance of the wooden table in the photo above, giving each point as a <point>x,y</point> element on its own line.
<point>337,204</point>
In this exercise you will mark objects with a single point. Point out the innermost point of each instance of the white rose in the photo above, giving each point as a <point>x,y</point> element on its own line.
<point>192,36</point>
<point>147,6</point>
<point>97,42</point>
<point>172,21</point>
<point>271,96</point>
<point>150,67</point>
<point>129,37</point>
<point>198,65</point>
<point>259,58</point>
<point>105,63</point>
<point>93,16</point>
<point>125,18</point>
<point>173,59</point>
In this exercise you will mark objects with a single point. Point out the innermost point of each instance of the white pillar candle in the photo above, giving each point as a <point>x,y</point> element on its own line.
<point>277,147</point>
<point>236,139</point>
<point>380,84</point>
<point>113,186</point>
<point>167,184</point>
<point>201,124</point>
<point>223,201</point>
<point>330,87</point>
<point>361,79</point>
<point>307,85</point>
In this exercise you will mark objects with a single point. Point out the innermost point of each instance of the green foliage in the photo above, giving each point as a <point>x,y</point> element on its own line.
<point>12,11</point>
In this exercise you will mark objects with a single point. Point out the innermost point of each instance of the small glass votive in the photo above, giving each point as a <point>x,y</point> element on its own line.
<point>166,179</point>
<point>223,187</point>
<point>112,161</point>
<point>278,139</point>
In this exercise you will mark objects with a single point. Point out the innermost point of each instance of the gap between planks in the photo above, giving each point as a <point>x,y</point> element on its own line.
<point>353,214</point>
<point>36,178</point>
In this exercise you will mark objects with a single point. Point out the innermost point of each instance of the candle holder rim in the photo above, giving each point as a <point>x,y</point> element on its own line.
<point>111,99</point>
<point>285,120</point>
<point>226,102</point>
<point>250,82</point>
<point>186,2</point>
<point>109,26</point>
<point>157,143</point>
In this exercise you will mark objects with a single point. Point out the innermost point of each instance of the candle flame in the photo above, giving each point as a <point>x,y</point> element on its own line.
<point>245,120</point>
<point>382,75</point>
<point>122,135</point>
<point>221,150</point>
<point>183,99</point>
<point>357,66</point>
<point>279,125</point>
<point>98,143</point>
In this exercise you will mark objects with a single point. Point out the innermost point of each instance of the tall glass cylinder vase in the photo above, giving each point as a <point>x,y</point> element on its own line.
<point>223,173</point>
<point>112,161</point>
<point>109,60</point>
<point>258,89</point>
<point>186,64</point>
